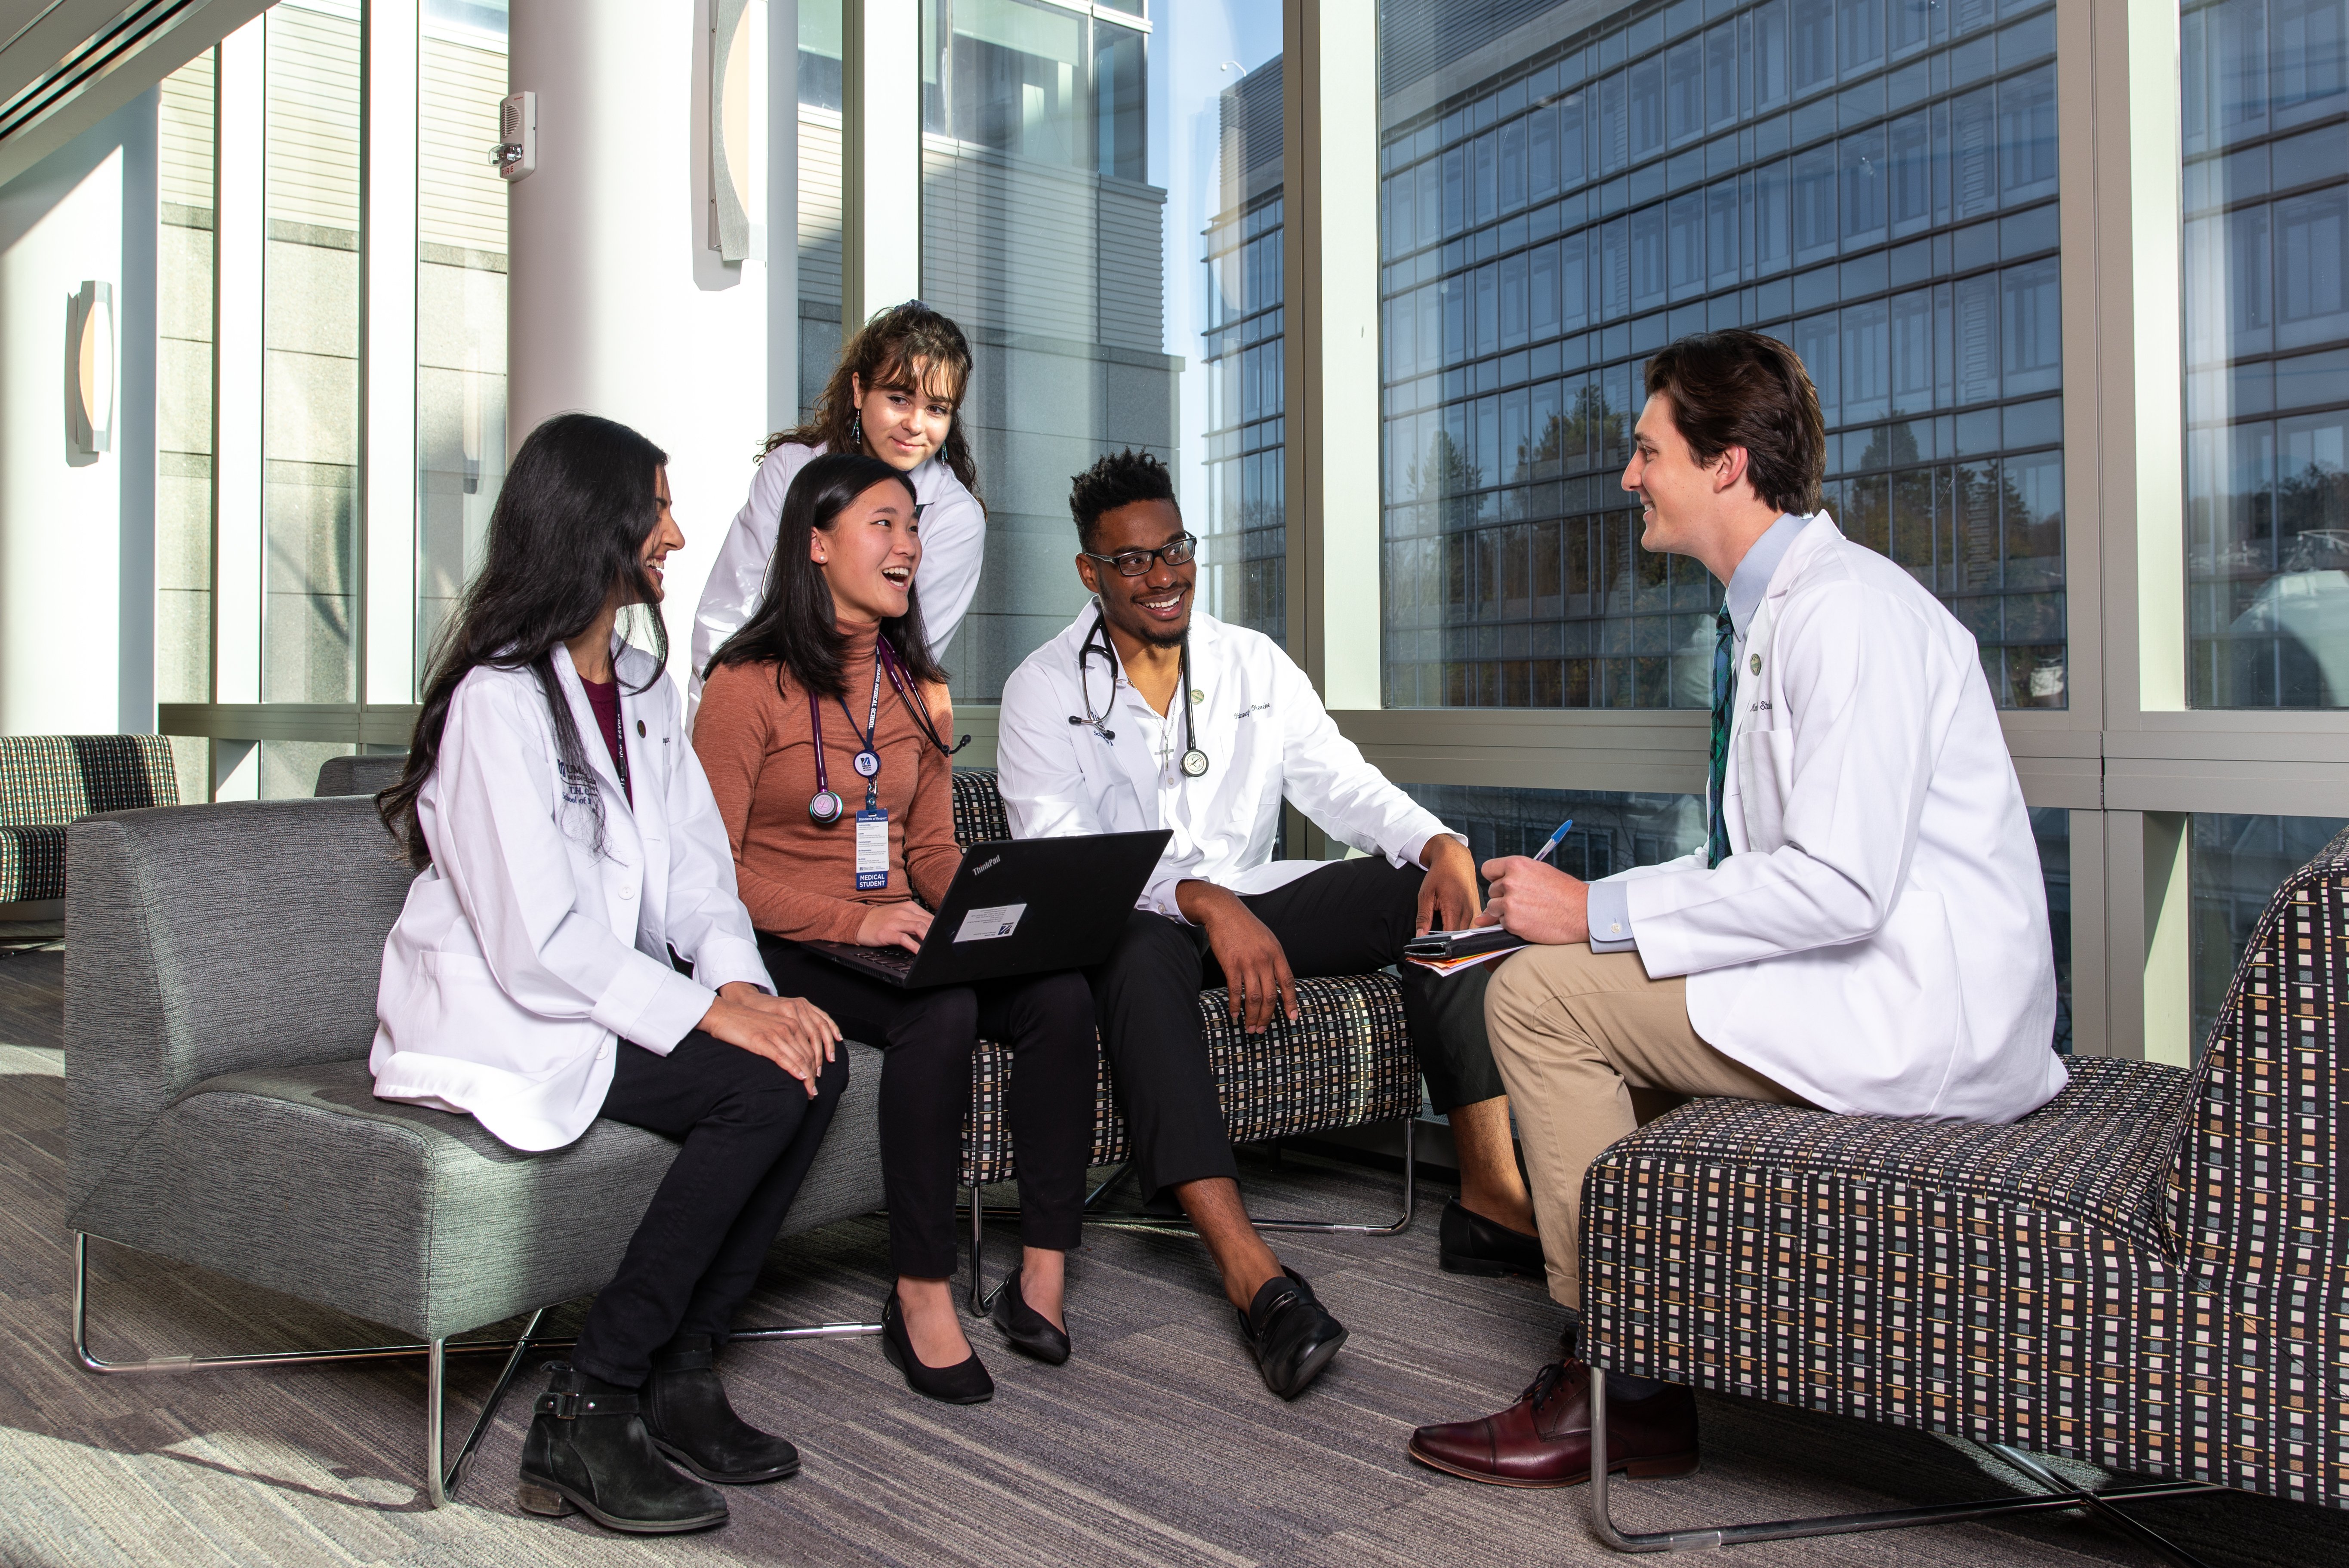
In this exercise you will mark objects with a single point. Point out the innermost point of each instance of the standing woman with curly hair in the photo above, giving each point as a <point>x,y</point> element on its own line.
<point>895,395</point>
<point>566,844</point>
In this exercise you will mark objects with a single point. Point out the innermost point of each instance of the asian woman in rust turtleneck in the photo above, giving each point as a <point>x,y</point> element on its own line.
<point>829,667</point>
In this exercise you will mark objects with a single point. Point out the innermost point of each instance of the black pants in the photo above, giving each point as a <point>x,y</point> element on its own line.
<point>1351,917</point>
<point>750,1132</point>
<point>927,1039</point>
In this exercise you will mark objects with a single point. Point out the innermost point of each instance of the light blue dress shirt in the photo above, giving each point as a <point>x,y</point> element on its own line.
<point>1611,901</point>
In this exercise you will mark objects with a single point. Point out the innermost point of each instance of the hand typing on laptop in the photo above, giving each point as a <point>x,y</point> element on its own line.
<point>902,924</point>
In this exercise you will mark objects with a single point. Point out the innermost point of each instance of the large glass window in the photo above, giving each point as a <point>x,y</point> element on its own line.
<point>1872,180</point>
<point>310,374</point>
<point>310,335</point>
<point>183,406</point>
<point>1100,212</point>
<point>2266,195</point>
<point>2233,866</point>
<point>461,303</point>
<point>819,214</point>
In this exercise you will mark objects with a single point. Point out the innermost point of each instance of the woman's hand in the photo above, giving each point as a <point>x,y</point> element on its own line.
<point>792,1032</point>
<point>900,924</point>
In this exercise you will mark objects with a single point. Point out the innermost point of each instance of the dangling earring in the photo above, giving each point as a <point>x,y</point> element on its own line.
<point>856,432</point>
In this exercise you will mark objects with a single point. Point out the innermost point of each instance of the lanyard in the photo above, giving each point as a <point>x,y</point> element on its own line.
<point>868,759</point>
<point>824,806</point>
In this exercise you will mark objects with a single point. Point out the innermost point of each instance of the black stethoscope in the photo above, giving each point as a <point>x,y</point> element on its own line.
<point>1194,761</point>
<point>825,806</point>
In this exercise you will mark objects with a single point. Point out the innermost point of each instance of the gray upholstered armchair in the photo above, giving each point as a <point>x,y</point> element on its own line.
<point>219,1001</point>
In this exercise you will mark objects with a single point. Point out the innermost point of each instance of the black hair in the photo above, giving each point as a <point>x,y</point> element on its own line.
<point>579,501</point>
<point>1119,479</point>
<point>795,626</point>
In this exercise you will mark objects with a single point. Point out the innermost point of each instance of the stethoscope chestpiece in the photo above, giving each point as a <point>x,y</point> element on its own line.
<point>825,807</point>
<point>1194,763</point>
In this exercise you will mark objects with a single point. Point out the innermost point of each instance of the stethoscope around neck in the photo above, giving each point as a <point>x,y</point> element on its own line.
<point>826,807</point>
<point>1194,761</point>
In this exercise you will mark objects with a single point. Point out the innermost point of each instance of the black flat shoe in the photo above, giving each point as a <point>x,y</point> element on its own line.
<point>964,1383</point>
<point>689,1418</point>
<point>1030,1331</point>
<point>1470,1244</point>
<point>1290,1333</point>
<point>587,1450</point>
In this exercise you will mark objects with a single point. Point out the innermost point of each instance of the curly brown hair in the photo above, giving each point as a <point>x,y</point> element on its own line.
<point>900,349</point>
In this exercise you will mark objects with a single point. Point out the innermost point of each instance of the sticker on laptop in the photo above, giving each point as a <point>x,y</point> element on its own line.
<point>987,924</point>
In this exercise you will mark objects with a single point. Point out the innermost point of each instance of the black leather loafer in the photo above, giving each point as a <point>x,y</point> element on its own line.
<point>587,1450</point>
<point>1290,1333</point>
<point>690,1419</point>
<point>1470,1244</point>
<point>1030,1332</point>
<point>964,1383</point>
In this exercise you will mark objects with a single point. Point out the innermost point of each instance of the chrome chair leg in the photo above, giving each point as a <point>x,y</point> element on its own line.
<point>1401,1223</point>
<point>2063,1500</point>
<point>440,1484</point>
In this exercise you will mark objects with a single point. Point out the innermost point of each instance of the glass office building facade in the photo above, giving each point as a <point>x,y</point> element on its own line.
<point>1122,209</point>
<point>2265,134</point>
<point>1873,181</point>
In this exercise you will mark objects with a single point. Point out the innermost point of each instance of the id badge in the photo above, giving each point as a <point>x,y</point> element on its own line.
<point>872,848</point>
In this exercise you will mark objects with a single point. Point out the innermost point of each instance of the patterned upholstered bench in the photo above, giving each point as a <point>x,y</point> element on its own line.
<point>1346,1062</point>
<point>50,781</point>
<point>2150,1272</point>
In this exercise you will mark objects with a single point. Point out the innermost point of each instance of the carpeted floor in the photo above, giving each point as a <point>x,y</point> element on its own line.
<point>1157,1445</point>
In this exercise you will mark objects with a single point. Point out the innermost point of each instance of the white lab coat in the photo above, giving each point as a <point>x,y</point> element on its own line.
<point>521,956</point>
<point>1266,734</point>
<point>1877,940</point>
<point>954,541</point>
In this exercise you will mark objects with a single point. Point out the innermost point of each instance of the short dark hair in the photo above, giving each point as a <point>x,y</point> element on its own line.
<point>1119,479</point>
<point>1739,388</point>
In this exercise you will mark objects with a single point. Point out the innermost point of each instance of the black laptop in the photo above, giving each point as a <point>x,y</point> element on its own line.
<point>1021,907</point>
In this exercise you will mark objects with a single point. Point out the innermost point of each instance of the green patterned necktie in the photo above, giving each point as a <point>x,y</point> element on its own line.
<point>1725,677</point>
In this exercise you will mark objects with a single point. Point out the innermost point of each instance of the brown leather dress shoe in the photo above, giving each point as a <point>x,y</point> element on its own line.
<point>1544,1440</point>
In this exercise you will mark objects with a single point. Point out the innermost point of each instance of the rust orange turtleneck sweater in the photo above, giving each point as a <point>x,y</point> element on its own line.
<point>798,878</point>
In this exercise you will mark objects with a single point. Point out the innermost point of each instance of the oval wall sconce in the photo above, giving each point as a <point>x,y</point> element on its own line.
<point>90,369</point>
<point>731,46</point>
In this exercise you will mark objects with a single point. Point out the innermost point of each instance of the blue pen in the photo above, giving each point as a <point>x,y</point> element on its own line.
<point>1555,839</point>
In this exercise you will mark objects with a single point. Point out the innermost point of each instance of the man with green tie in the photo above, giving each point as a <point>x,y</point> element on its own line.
<point>1865,930</point>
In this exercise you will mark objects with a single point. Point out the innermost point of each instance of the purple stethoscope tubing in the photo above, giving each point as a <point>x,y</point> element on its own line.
<point>824,806</point>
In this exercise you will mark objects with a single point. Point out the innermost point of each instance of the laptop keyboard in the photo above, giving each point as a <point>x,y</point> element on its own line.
<point>895,960</point>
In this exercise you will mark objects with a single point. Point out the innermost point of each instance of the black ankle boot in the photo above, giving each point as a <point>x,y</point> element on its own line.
<point>688,1415</point>
<point>588,1449</point>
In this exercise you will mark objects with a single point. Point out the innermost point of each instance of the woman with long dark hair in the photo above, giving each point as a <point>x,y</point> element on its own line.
<point>895,395</point>
<point>567,842</point>
<point>835,789</point>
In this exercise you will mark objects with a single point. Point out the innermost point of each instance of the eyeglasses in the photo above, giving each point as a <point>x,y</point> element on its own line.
<point>1175,551</point>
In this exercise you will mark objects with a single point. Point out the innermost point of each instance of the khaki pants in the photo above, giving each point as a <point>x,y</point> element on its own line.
<point>1575,1034</point>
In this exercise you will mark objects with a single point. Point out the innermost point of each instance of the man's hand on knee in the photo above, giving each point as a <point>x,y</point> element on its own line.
<point>1447,894</point>
<point>1537,902</point>
<point>1255,966</point>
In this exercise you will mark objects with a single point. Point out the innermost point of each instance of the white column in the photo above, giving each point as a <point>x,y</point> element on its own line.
<point>1330,224</point>
<point>388,353</point>
<point>881,158</point>
<point>617,305</point>
<point>237,285</point>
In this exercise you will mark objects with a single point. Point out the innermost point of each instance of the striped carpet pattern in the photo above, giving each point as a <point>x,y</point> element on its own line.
<point>1157,1445</point>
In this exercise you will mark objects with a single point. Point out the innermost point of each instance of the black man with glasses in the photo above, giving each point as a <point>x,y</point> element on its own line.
<point>1147,712</point>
